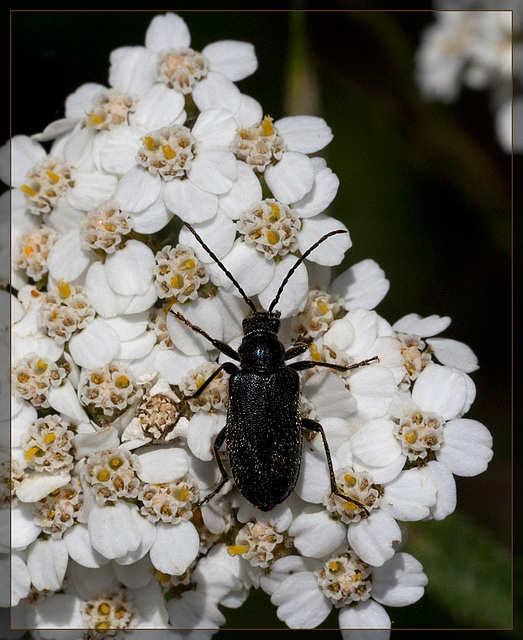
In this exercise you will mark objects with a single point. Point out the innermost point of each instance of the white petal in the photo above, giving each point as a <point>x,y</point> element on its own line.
<point>64,400</point>
<point>95,441</point>
<point>175,547</point>
<point>215,128</point>
<point>79,547</point>
<point>172,365</point>
<point>162,464</point>
<point>138,347</point>
<point>442,478</point>
<point>362,285</point>
<point>218,234</point>
<point>291,178</point>
<point>22,525</point>
<point>102,524</point>
<point>331,252</point>
<point>410,496</point>
<point>236,60</point>
<point>249,267</point>
<point>130,326</point>
<point>159,107</point>
<point>95,346</point>
<point>313,480</point>
<point>142,301</point>
<point>137,189</point>
<point>375,444</point>
<point>91,190</point>
<point>132,69</point>
<point>25,153</point>
<point>118,149</point>
<point>189,202</point>
<point>167,31</point>
<point>47,562</point>
<point>203,427</point>
<point>37,485</point>
<point>249,112</point>
<point>452,353</point>
<point>213,170</point>
<point>201,312</point>
<point>80,101</point>
<point>321,195</point>
<point>102,296</point>
<point>57,614</point>
<point>130,270</point>
<point>215,91</point>
<point>20,579</point>
<point>147,532</point>
<point>399,582</point>
<point>305,134</point>
<point>301,605</point>
<point>152,218</point>
<point>423,327</point>
<point>329,395</point>
<point>374,387</point>
<point>467,448</point>
<point>316,534</point>
<point>294,296</point>
<point>195,611</point>
<point>67,259</point>
<point>442,390</point>
<point>363,616</point>
<point>376,538</point>
<point>245,190</point>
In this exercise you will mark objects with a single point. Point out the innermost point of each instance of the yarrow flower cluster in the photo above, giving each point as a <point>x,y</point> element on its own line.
<point>474,44</point>
<point>114,419</point>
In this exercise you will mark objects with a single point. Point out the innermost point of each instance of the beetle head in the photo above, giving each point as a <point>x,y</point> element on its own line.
<point>262,321</point>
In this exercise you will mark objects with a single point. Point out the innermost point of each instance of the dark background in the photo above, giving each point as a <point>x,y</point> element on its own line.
<point>425,191</point>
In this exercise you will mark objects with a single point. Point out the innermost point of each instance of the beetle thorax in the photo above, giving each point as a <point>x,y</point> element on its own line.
<point>261,350</point>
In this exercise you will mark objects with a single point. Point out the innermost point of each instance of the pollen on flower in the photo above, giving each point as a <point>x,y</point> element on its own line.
<point>168,152</point>
<point>48,445</point>
<point>270,227</point>
<point>259,544</point>
<point>181,68</point>
<point>345,579</point>
<point>111,473</point>
<point>158,413</point>
<point>158,325</point>
<point>419,434</point>
<point>320,311</point>
<point>46,183</point>
<point>109,390</point>
<point>179,274</point>
<point>170,502</point>
<point>357,486</point>
<point>59,510</point>
<point>416,355</point>
<point>213,397</point>
<point>33,251</point>
<point>109,611</point>
<point>33,377</point>
<point>109,109</point>
<point>65,310</point>
<point>259,145</point>
<point>105,228</point>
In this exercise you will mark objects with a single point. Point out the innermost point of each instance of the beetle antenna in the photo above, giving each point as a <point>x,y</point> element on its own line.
<point>299,261</point>
<point>222,267</point>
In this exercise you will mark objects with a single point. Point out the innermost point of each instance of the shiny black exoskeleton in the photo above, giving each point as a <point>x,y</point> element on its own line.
<point>263,432</point>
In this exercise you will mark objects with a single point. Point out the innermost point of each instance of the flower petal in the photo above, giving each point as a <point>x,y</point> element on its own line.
<point>102,524</point>
<point>331,252</point>
<point>245,190</point>
<point>236,60</point>
<point>301,604</point>
<point>467,449</point>
<point>410,496</point>
<point>215,91</point>
<point>399,582</point>
<point>47,563</point>
<point>291,178</point>
<point>213,170</point>
<point>446,496</point>
<point>189,202</point>
<point>175,547</point>
<point>321,195</point>
<point>95,346</point>
<point>376,538</point>
<point>167,31</point>
<point>130,270</point>
<point>162,464</point>
<point>362,285</point>
<point>67,260</point>
<point>442,390</point>
<point>453,353</point>
<point>137,189</point>
<point>375,444</point>
<point>159,107</point>
<point>316,534</point>
<point>305,134</point>
<point>132,69</point>
<point>423,327</point>
<point>79,547</point>
<point>91,190</point>
<point>362,616</point>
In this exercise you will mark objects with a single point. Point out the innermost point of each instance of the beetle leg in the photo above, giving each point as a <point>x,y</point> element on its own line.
<point>295,350</point>
<point>221,346</point>
<point>228,367</point>
<point>310,364</point>
<point>220,439</point>
<point>312,425</point>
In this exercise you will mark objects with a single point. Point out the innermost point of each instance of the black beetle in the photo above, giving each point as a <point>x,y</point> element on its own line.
<point>263,432</point>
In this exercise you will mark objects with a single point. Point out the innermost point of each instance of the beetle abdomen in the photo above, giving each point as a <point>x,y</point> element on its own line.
<point>264,435</point>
